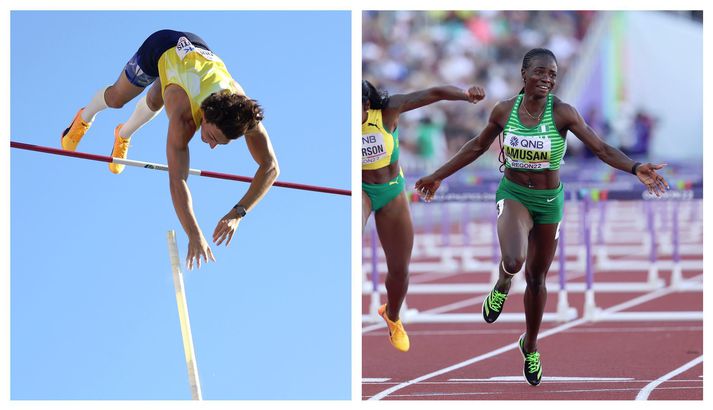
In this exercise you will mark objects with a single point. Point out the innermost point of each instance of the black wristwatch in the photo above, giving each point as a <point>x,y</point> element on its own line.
<point>241,210</point>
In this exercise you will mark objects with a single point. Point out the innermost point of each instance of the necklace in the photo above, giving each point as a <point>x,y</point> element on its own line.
<point>530,115</point>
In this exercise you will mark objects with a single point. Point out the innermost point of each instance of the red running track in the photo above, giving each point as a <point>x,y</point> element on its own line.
<point>581,360</point>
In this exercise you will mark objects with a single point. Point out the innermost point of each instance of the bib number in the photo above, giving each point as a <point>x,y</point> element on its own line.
<point>184,46</point>
<point>372,148</point>
<point>527,152</point>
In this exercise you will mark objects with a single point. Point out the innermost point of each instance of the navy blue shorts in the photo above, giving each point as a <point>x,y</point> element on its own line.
<point>142,68</point>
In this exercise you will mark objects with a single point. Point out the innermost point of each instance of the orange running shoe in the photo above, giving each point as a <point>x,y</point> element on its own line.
<point>397,333</point>
<point>72,135</point>
<point>120,150</point>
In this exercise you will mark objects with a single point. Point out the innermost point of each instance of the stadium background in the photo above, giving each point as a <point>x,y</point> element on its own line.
<point>640,89</point>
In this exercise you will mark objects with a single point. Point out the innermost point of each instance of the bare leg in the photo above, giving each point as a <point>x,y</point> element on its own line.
<point>121,92</point>
<point>154,98</point>
<point>514,224</point>
<point>393,223</point>
<point>540,252</point>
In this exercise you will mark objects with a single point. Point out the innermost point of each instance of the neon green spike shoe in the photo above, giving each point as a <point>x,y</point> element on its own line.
<point>533,366</point>
<point>493,305</point>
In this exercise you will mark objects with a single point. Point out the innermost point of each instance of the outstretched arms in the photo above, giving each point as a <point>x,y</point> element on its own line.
<point>407,102</point>
<point>567,117</point>
<point>261,150</point>
<point>469,152</point>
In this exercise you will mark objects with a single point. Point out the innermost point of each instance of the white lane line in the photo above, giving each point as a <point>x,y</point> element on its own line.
<point>477,300</point>
<point>549,378</point>
<point>375,379</point>
<point>375,326</point>
<point>473,301</point>
<point>434,396</point>
<point>641,299</point>
<point>520,380</point>
<point>441,309</point>
<point>644,393</point>
<point>518,332</point>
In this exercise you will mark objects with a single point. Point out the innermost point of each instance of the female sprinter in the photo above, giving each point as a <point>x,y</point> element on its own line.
<point>530,198</point>
<point>383,186</point>
<point>198,92</point>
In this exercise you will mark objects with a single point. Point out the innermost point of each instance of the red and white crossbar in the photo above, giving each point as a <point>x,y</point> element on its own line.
<point>161,167</point>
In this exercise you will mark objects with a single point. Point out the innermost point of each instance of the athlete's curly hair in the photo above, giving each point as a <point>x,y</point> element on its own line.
<point>232,113</point>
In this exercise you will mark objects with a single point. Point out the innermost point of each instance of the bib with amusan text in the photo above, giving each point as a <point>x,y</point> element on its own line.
<point>533,148</point>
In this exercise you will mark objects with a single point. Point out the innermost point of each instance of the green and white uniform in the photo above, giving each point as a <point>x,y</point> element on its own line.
<point>533,149</point>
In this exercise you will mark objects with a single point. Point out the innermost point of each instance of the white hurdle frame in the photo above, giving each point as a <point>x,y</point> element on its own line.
<point>449,263</point>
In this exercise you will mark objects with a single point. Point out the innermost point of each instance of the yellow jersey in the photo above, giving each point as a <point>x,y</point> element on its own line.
<point>379,147</point>
<point>198,72</point>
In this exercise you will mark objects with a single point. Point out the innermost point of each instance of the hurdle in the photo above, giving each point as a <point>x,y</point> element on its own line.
<point>469,254</point>
<point>580,200</point>
<point>595,314</point>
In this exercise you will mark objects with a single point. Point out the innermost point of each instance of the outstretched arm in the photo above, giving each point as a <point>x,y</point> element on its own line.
<point>177,154</point>
<point>258,142</point>
<point>571,120</point>
<point>406,102</point>
<point>469,152</point>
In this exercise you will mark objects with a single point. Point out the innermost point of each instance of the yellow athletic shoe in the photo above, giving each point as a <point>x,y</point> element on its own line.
<point>397,333</point>
<point>120,150</point>
<point>72,135</point>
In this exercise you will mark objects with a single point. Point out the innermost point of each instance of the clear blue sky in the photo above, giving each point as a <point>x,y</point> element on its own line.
<point>93,312</point>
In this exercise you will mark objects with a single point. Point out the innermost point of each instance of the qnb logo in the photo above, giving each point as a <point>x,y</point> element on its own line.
<point>514,141</point>
<point>536,144</point>
<point>149,166</point>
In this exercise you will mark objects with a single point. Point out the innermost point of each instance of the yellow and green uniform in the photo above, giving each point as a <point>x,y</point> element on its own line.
<point>379,149</point>
<point>533,149</point>
<point>197,71</point>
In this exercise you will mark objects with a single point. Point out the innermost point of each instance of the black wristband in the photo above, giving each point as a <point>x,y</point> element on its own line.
<point>633,169</point>
<point>241,210</point>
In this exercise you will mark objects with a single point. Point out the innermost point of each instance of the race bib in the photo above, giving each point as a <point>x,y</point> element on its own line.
<point>527,152</point>
<point>373,148</point>
<point>184,46</point>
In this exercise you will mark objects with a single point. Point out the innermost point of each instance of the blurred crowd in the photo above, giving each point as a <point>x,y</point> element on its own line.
<point>405,51</point>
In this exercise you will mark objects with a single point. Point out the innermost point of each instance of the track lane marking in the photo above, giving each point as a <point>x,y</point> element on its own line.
<point>646,391</point>
<point>578,391</point>
<point>558,329</point>
<point>473,301</point>
<point>518,332</point>
<point>518,380</point>
<point>573,379</point>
